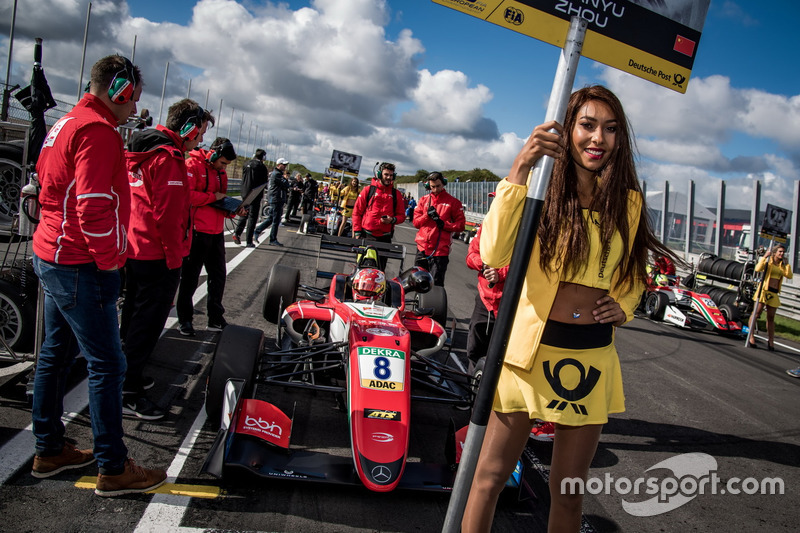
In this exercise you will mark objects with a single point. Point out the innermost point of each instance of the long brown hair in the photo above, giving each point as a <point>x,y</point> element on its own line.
<point>563,238</point>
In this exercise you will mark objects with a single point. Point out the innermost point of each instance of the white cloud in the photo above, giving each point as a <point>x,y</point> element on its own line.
<point>444,103</point>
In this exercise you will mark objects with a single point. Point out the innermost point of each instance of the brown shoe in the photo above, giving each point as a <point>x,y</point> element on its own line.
<point>69,458</point>
<point>134,479</point>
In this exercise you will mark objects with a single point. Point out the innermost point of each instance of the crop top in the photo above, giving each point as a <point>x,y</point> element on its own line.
<point>602,262</point>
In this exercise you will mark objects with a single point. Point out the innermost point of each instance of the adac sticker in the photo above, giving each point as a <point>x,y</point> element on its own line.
<point>381,368</point>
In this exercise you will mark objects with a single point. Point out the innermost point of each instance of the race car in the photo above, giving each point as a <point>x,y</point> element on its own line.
<point>359,340</point>
<point>666,300</point>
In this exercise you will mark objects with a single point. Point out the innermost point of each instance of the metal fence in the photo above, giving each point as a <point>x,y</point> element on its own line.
<point>19,115</point>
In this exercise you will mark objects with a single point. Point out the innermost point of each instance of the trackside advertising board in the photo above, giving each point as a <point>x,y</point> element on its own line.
<point>653,40</point>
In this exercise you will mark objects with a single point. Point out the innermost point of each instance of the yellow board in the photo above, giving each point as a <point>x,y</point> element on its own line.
<point>657,38</point>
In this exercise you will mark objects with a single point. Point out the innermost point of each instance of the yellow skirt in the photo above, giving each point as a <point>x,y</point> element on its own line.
<point>575,379</point>
<point>771,299</point>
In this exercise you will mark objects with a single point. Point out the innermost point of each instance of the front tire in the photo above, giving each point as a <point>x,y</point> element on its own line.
<point>730,312</point>
<point>281,291</point>
<point>656,304</point>
<point>235,357</point>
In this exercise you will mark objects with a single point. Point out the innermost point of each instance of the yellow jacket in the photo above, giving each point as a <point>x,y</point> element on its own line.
<point>775,272</point>
<point>499,232</point>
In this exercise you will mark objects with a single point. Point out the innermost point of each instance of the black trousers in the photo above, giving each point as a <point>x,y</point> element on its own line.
<point>291,207</point>
<point>149,290</point>
<point>436,265</point>
<point>250,221</point>
<point>481,324</point>
<point>207,251</point>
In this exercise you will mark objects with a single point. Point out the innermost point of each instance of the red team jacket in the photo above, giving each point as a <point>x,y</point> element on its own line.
<point>84,190</point>
<point>430,239</point>
<point>368,217</point>
<point>160,224</point>
<point>204,181</point>
<point>489,296</point>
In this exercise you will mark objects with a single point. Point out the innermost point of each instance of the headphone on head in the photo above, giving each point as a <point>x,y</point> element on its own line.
<point>122,85</point>
<point>225,149</point>
<point>191,128</point>
<point>434,176</point>
<point>376,171</point>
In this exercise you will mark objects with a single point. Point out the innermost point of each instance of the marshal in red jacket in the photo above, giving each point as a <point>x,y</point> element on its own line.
<point>160,227</point>
<point>430,239</point>
<point>84,195</point>
<point>204,182</point>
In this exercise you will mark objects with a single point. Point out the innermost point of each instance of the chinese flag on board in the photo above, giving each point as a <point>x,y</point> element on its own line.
<point>684,46</point>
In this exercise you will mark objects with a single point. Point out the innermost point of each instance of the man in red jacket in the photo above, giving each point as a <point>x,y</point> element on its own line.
<point>437,216</point>
<point>378,208</point>
<point>79,245</point>
<point>159,237</point>
<point>208,183</point>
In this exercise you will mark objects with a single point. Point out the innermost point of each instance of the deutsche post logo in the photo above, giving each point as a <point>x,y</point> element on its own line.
<point>514,16</point>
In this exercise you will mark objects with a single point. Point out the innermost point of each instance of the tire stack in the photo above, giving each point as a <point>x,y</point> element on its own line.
<point>722,268</point>
<point>720,295</point>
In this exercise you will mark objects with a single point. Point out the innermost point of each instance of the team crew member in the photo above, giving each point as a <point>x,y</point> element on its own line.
<point>585,277</point>
<point>159,238</point>
<point>79,246</point>
<point>775,268</point>
<point>208,183</point>
<point>254,175</point>
<point>438,215</point>
<point>379,207</point>
<point>490,289</point>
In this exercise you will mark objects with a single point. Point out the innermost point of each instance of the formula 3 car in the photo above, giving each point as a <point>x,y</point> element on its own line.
<point>674,304</point>
<point>361,342</point>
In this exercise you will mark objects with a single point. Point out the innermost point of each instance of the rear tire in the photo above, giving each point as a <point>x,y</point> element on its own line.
<point>235,357</point>
<point>281,291</point>
<point>436,298</point>
<point>655,305</point>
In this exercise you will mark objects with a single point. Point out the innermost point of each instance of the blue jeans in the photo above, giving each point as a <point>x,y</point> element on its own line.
<point>273,219</point>
<point>80,315</point>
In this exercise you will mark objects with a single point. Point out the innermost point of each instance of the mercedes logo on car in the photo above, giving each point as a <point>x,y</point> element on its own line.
<point>381,474</point>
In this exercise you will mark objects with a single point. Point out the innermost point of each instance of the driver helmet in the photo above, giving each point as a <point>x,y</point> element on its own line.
<point>662,279</point>
<point>369,283</point>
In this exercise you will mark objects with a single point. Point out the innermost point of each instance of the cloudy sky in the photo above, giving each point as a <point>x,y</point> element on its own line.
<point>424,86</point>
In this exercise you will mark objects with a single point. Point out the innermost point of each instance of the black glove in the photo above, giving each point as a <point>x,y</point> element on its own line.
<point>432,213</point>
<point>439,222</point>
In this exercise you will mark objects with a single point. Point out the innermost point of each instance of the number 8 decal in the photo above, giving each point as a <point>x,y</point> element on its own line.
<point>382,370</point>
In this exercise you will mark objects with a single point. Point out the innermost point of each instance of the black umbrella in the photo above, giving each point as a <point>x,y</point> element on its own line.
<point>37,99</point>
